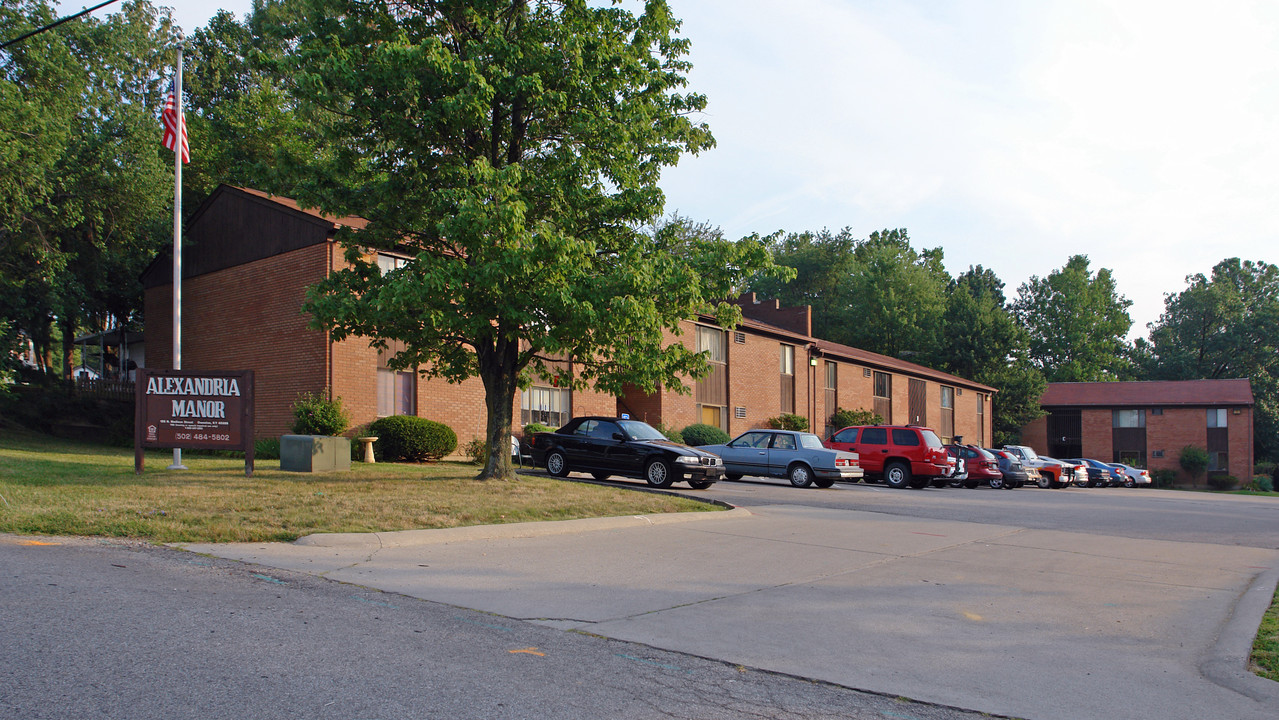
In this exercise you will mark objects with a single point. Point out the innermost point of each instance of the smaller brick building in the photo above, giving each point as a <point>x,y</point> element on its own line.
<point>1146,424</point>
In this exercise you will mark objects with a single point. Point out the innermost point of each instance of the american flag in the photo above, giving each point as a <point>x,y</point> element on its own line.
<point>172,122</point>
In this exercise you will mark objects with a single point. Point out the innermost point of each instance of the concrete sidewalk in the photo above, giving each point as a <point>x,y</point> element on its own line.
<point>1037,624</point>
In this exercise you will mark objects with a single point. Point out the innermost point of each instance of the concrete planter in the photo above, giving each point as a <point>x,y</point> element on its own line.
<point>314,453</point>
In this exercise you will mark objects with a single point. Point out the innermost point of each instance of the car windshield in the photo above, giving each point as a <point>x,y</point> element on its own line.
<point>640,430</point>
<point>930,438</point>
<point>809,441</point>
<point>1030,454</point>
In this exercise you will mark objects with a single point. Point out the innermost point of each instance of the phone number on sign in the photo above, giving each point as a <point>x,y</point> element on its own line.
<point>202,437</point>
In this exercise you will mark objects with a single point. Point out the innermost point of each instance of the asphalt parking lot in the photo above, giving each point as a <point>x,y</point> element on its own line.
<point>1014,618</point>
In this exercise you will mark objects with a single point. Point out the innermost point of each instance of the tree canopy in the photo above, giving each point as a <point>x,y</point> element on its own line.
<point>1078,323</point>
<point>84,181</point>
<point>1225,325</point>
<point>509,152</point>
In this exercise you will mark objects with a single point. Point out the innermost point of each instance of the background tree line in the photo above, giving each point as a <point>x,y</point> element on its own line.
<point>881,294</point>
<point>85,193</point>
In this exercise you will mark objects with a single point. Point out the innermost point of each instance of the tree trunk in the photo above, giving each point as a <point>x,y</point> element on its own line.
<point>500,375</point>
<point>68,346</point>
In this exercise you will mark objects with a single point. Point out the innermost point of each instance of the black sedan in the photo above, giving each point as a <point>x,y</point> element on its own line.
<point>605,446</point>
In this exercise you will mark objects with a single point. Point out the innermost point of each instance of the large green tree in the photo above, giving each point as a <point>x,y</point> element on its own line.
<point>1225,325</point>
<point>85,183</point>
<point>981,340</point>
<point>1078,324</point>
<point>823,264</point>
<point>238,106</point>
<point>512,150</point>
<point>878,294</point>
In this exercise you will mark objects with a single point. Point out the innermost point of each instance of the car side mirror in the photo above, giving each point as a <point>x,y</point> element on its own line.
<point>618,436</point>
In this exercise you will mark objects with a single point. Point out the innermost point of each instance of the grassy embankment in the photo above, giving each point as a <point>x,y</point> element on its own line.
<point>57,487</point>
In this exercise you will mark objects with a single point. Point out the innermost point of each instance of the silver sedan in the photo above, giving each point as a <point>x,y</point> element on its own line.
<point>796,456</point>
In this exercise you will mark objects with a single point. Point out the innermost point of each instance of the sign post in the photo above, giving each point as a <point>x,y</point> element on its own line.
<point>193,409</point>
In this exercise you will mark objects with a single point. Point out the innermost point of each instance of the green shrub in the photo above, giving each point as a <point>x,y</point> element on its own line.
<point>789,421</point>
<point>266,449</point>
<point>1222,482</point>
<point>407,438</point>
<point>1265,467</point>
<point>671,433</point>
<point>703,434</point>
<point>1262,483</point>
<point>477,450</point>
<point>537,428</point>
<point>316,414</point>
<point>1163,477</point>
<point>1194,460</point>
<point>842,418</point>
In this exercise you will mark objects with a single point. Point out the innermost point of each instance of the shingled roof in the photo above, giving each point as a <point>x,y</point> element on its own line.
<point>1233,391</point>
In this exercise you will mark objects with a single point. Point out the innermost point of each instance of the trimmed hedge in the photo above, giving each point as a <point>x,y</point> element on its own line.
<point>789,421</point>
<point>407,438</point>
<point>703,434</point>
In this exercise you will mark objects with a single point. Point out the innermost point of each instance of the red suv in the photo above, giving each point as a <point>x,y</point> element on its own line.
<point>899,455</point>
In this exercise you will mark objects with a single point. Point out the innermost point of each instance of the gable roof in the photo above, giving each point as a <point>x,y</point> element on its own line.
<point>866,357</point>
<point>1233,391</point>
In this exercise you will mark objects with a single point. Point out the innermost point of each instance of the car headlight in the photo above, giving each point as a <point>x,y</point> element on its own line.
<point>688,460</point>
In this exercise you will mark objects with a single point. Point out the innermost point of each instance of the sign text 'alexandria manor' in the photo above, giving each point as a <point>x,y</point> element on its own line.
<point>194,409</point>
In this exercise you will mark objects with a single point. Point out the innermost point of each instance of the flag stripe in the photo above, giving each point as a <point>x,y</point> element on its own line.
<point>169,118</point>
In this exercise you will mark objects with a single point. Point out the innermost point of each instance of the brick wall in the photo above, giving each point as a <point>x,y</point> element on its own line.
<point>1170,432</point>
<point>248,317</point>
<point>1241,433</point>
<point>1035,435</point>
<point>1097,430</point>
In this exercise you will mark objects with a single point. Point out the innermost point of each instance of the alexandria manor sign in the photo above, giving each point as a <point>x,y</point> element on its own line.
<point>194,409</point>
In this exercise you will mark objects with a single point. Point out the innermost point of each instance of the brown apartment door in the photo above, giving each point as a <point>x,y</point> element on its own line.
<point>918,402</point>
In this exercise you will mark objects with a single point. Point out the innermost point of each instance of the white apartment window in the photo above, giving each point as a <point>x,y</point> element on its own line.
<point>546,405</point>
<point>1217,417</point>
<point>387,263</point>
<point>1128,418</point>
<point>788,359</point>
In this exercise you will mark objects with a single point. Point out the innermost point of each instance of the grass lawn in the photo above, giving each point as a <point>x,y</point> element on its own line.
<point>57,487</point>
<point>1265,649</point>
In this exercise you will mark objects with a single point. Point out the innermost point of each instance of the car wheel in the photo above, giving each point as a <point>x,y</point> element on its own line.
<point>1130,483</point>
<point>997,483</point>
<point>557,464</point>
<point>896,475</point>
<point>1020,483</point>
<point>1045,481</point>
<point>700,484</point>
<point>600,475</point>
<point>732,476</point>
<point>800,476</point>
<point>956,483</point>
<point>658,474</point>
<point>824,483</point>
<point>970,484</point>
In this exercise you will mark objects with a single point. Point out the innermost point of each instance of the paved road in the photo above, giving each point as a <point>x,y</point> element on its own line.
<point>1041,604</point>
<point>101,629</point>
<point>1116,512</point>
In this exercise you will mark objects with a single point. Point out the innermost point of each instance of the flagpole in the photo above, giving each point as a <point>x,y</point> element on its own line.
<point>177,240</point>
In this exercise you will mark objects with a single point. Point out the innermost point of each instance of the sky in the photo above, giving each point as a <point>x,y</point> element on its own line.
<point>1141,133</point>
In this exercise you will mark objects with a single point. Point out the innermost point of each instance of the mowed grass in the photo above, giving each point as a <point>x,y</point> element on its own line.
<point>1265,649</point>
<point>56,487</point>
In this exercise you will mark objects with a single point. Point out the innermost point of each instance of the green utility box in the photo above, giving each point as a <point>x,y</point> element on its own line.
<point>314,453</point>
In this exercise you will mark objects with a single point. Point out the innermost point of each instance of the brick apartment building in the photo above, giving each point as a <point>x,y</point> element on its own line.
<point>250,256</point>
<point>1146,424</point>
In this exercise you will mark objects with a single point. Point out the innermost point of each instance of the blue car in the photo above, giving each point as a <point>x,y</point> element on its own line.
<point>796,456</point>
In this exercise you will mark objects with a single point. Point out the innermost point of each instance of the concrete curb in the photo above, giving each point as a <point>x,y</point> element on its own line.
<point>1227,663</point>
<point>414,538</point>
